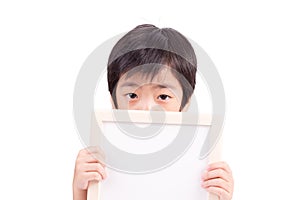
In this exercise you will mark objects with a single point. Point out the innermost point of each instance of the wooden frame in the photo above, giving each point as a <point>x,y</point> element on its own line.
<point>145,117</point>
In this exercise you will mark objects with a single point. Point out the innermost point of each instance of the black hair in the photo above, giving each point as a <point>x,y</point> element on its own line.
<point>147,44</point>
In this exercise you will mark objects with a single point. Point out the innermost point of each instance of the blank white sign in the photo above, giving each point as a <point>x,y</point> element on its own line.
<point>180,180</point>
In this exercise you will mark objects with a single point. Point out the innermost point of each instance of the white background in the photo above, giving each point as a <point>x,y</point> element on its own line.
<point>255,46</point>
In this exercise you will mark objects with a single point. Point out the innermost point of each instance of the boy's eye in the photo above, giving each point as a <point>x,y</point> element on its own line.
<point>163,97</point>
<point>131,95</point>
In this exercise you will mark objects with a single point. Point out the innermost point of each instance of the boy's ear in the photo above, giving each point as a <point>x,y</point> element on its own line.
<point>186,107</point>
<point>112,103</point>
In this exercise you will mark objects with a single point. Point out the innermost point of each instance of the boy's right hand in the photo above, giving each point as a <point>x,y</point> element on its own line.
<point>88,167</point>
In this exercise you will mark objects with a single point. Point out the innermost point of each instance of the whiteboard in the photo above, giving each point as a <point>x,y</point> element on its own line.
<point>181,179</point>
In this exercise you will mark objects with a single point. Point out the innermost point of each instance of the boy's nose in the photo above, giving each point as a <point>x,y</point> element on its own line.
<point>147,104</point>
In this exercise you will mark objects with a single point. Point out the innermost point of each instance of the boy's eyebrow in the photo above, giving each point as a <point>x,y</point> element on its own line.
<point>133,84</point>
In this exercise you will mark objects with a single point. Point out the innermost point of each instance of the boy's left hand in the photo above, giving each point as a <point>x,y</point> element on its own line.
<point>218,179</point>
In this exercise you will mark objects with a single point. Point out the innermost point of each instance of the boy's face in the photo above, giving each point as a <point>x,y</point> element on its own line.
<point>139,92</point>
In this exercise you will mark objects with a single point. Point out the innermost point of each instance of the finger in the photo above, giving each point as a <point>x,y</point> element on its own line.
<point>85,178</point>
<point>219,165</point>
<point>92,176</point>
<point>217,182</point>
<point>223,194</point>
<point>94,159</point>
<point>99,155</point>
<point>95,149</point>
<point>88,159</point>
<point>216,173</point>
<point>92,150</point>
<point>95,167</point>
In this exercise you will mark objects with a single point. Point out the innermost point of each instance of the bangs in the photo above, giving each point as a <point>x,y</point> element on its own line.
<point>147,71</point>
<point>149,63</point>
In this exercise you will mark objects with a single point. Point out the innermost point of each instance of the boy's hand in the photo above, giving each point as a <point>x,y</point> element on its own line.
<point>88,168</point>
<point>218,179</point>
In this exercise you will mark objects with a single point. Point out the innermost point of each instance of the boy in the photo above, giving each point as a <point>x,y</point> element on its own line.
<point>150,68</point>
